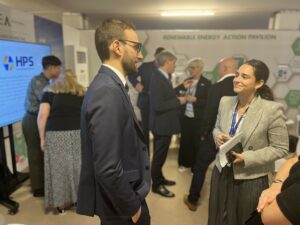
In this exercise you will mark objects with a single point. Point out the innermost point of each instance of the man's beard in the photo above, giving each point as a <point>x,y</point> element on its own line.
<point>129,66</point>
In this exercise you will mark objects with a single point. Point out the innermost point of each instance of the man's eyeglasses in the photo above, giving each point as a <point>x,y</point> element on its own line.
<point>137,45</point>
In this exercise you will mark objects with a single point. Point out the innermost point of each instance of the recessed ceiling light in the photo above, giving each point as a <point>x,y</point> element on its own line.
<point>187,13</point>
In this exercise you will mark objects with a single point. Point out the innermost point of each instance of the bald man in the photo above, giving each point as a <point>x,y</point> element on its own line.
<point>227,68</point>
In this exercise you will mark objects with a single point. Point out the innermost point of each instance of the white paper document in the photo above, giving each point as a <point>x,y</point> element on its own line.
<point>227,146</point>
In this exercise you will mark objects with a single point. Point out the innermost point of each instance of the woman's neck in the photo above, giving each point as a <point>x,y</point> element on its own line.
<point>197,77</point>
<point>245,100</point>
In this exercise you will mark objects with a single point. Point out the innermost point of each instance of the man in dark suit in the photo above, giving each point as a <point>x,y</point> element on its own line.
<point>164,119</point>
<point>115,176</point>
<point>207,150</point>
<point>141,84</point>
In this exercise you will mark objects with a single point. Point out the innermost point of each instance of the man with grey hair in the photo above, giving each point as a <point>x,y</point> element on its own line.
<point>115,177</point>
<point>192,112</point>
<point>164,119</point>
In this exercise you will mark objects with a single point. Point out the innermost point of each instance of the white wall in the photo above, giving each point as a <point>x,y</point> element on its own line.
<point>44,9</point>
<point>87,40</point>
<point>71,35</point>
<point>287,20</point>
<point>84,38</point>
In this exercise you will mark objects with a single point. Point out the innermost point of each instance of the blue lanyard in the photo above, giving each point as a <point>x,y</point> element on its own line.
<point>234,126</point>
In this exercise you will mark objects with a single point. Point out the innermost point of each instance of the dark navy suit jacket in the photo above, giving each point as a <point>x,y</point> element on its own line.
<point>145,72</point>
<point>164,106</point>
<point>115,176</point>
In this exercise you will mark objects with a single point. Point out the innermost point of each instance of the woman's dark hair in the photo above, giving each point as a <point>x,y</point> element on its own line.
<point>265,92</point>
<point>261,72</point>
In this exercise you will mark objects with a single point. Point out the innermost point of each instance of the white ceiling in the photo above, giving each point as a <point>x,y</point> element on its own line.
<point>145,14</point>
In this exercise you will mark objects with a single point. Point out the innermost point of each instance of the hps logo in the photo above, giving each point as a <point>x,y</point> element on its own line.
<point>20,62</point>
<point>8,63</point>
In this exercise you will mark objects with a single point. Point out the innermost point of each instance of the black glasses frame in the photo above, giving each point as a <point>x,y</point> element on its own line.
<point>137,45</point>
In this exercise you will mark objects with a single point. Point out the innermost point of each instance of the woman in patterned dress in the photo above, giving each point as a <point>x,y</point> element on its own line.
<point>59,129</point>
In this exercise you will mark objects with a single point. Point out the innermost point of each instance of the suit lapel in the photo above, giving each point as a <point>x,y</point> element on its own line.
<point>115,77</point>
<point>229,115</point>
<point>252,119</point>
<point>200,85</point>
<point>165,79</point>
<point>130,106</point>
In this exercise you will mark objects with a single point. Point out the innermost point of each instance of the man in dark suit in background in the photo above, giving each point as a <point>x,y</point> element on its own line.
<point>115,176</point>
<point>141,84</point>
<point>164,119</point>
<point>207,150</point>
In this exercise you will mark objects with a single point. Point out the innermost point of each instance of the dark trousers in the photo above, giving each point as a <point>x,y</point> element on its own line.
<point>145,124</point>
<point>206,155</point>
<point>189,141</point>
<point>144,218</point>
<point>35,155</point>
<point>160,152</point>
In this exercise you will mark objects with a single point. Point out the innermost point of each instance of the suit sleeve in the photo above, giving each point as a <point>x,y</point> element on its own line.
<point>211,110</point>
<point>179,88</point>
<point>105,120</point>
<point>278,140</point>
<point>157,100</point>
<point>202,100</point>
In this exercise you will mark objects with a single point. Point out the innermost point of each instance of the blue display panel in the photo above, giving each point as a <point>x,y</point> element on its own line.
<point>19,62</point>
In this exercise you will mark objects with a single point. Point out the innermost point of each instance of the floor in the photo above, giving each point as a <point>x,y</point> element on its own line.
<point>163,211</point>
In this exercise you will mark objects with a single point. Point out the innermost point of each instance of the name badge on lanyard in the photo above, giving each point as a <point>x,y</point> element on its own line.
<point>234,126</point>
<point>189,107</point>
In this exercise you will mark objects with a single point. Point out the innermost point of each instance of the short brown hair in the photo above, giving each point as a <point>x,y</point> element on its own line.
<point>108,31</point>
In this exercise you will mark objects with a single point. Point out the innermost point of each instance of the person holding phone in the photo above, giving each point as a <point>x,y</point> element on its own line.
<point>235,189</point>
<point>195,88</point>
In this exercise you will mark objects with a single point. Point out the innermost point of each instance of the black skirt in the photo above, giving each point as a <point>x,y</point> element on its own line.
<point>232,201</point>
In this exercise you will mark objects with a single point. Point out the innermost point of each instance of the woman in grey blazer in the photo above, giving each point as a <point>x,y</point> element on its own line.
<point>235,189</point>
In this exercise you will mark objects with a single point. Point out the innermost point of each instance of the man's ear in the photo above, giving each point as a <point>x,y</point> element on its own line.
<point>116,48</point>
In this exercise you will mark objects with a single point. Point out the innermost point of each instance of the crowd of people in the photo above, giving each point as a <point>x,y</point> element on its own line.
<point>90,148</point>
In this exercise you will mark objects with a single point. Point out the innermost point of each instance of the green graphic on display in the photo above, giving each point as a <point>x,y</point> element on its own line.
<point>293,98</point>
<point>296,46</point>
<point>213,75</point>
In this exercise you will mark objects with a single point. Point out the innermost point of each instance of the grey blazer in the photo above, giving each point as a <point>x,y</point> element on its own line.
<point>265,136</point>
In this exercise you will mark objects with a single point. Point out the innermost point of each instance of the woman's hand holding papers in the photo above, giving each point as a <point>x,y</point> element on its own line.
<point>222,138</point>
